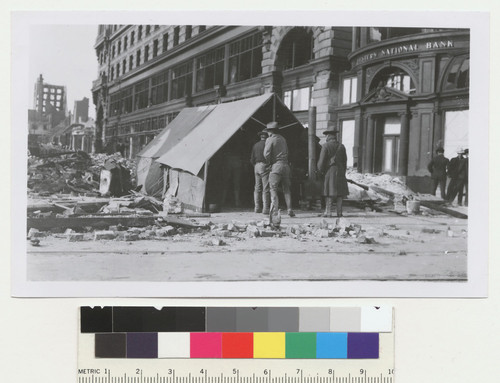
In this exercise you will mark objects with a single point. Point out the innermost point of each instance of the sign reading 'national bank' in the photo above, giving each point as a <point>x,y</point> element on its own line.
<point>402,49</point>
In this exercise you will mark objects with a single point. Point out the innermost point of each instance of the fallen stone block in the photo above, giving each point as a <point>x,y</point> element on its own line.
<point>269,233</point>
<point>342,223</point>
<point>366,240</point>
<point>217,242</point>
<point>75,237</point>
<point>147,234</point>
<point>35,233</point>
<point>321,233</point>
<point>165,231</point>
<point>136,230</point>
<point>253,231</point>
<point>106,234</point>
<point>127,236</point>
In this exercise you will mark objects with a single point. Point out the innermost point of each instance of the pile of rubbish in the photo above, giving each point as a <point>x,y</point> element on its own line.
<point>71,172</point>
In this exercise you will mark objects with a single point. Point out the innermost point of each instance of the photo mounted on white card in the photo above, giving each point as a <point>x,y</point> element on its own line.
<point>257,154</point>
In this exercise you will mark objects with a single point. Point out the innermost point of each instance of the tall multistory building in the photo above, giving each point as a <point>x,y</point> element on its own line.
<point>49,111</point>
<point>149,73</point>
<point>395,93</point>
<point>80,111</point>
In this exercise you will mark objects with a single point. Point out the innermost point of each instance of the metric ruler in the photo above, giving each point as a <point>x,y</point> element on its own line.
<point>274,369</point>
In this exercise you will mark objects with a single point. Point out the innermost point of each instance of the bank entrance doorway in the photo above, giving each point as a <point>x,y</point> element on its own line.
<point>386,150</point>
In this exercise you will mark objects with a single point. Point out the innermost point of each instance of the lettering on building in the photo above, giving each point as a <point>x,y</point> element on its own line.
<point>404,49</point>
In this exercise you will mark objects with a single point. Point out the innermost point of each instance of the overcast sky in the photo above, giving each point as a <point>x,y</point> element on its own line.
<point>64,55</point>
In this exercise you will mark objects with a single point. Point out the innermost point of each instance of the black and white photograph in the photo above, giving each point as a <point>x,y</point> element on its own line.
<point>314,156</point>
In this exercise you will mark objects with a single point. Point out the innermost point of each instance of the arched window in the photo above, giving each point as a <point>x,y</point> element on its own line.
<point>457,76</point>
<point>296,49</point>
<point>395,78</point>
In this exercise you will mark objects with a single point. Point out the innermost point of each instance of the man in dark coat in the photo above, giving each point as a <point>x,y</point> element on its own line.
<point>333,164</point>
<point>276,155</point>
<point>457,171</point>
<point>437,168</point>
<point>261,171</point>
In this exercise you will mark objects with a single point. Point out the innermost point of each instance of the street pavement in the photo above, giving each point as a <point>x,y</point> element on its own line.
<point>389,247</point>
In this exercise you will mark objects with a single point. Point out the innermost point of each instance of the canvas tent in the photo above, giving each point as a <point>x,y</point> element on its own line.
<point>149,173</point>
<point>186,154</point>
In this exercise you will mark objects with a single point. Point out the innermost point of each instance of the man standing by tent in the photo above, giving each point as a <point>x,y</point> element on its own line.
<point>276,155</point>
<point>437,168</point>
<point>333,163</point>
<point>261,171</point>
<point>457,170</point>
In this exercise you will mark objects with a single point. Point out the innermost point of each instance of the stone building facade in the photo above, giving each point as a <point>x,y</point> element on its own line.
<point>148,73</point>
<point>406,94</point>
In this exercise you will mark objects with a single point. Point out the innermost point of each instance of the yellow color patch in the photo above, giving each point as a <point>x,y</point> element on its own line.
<point>269,345</point>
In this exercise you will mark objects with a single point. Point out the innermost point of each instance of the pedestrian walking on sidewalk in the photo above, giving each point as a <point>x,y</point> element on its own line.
<point>276,155</point>
<point>261,171</point>
<point>437,167</point>
<point>457,171</point>
<point>332,164</point>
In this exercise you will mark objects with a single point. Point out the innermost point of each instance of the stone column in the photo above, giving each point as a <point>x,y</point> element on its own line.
<point>357,141</point>
<point>438,129</point>
<point>368,160</point>
<point>404,140</point>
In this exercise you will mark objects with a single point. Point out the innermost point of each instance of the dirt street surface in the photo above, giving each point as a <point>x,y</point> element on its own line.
<point>364,245</point>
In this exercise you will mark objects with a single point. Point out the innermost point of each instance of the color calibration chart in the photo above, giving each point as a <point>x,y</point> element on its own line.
<point>236,345</point>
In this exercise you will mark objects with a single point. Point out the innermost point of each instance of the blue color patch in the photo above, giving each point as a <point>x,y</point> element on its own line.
<point>331,345</point>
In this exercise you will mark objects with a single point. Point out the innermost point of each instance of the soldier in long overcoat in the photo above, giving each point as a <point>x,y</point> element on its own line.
<point>333,164</point>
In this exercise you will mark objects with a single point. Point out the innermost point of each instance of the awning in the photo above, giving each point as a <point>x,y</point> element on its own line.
<point>202,142</point>
<point>185,121</point>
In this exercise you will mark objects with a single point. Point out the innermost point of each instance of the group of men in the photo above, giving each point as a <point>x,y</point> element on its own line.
<point>269,157</point>
<point>457,169</point>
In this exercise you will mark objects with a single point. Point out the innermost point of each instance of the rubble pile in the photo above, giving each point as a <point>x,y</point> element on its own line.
<point>384,181</point>
<point>66,173</point>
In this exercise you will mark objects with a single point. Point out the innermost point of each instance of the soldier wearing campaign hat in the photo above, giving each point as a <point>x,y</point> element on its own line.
<point>457,171</point>
<point>332,164</point>
<point>261,172</point>
<point>276,155</point>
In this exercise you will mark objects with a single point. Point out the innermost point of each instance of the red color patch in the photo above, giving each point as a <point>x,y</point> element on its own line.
<point>237,345</point>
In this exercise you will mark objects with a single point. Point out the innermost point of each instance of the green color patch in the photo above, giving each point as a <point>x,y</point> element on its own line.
<point>300,345</point>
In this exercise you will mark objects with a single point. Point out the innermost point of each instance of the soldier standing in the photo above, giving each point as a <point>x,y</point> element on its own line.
<point>333,164</point>
<point>261,171</point>
<point>276,154</point>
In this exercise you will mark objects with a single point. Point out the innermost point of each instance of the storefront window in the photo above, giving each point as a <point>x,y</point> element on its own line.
<point>159,88</point>
<point>458,74</point>
<point>141,94</point>
<point>114,104</point>
<point>210,69</point>
<point>456,132</point>
<point>126,96</point>
<point>182,80</point>
<point>350,90</point>
<point>296,49</point>
<point>245,58</point>
<point>297,99</point>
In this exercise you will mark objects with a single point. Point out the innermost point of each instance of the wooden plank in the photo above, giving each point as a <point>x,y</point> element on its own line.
<point>443,209</point>
<point>105,221</point>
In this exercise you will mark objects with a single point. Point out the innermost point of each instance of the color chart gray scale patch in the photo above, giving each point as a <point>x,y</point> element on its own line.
<point>235,319</point>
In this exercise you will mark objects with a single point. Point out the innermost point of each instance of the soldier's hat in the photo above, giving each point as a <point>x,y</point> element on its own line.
<point>262,133</point>
<point>271,127</point>
<point>332,131</point>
